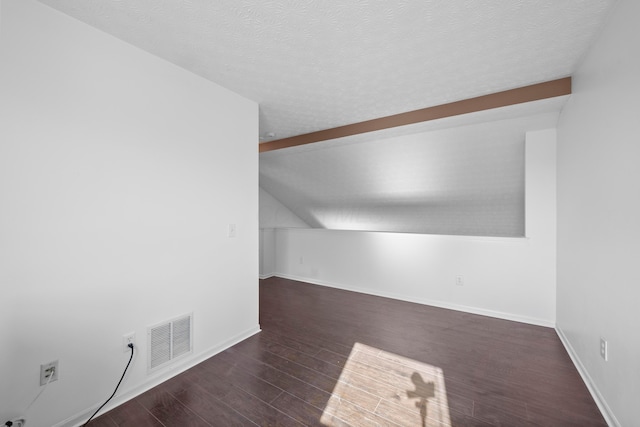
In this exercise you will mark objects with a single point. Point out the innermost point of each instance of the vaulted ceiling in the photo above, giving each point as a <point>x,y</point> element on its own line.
<point>320,64</point>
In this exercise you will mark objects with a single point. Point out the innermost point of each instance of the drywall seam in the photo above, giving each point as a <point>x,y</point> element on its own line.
<point>606,411</point>
<point>433,303</point>
<point>80,418</point>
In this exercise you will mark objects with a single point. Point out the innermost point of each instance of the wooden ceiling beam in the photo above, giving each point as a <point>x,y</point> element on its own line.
<point>535,92</point>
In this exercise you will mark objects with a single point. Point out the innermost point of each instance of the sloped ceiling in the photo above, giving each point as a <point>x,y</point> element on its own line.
<point>314,65</point>
<point>462,176</point>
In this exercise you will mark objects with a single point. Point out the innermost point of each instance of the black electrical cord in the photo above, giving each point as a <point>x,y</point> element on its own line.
<point>114,391</point>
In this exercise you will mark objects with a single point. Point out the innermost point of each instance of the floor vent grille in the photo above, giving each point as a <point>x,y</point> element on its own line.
<point>169,340</point>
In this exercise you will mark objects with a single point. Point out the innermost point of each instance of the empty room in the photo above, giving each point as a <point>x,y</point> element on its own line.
<point>380,213</point>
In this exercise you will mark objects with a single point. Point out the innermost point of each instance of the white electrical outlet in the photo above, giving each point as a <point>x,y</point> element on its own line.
<point>232,230</point>
<point>459,281</point>
<point>127,339</point>
<point>604,349</point>
<point>49,372</point>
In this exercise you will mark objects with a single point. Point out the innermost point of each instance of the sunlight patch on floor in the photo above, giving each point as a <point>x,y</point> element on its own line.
<point>381,388</point>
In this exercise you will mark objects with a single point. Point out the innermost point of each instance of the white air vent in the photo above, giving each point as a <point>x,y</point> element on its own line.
<point>169,340</point>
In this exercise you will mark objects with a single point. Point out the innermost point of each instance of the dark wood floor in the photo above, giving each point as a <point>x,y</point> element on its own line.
<point>328,357</point>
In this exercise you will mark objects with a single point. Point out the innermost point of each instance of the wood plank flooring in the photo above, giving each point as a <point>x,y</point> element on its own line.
<point>327,357</point>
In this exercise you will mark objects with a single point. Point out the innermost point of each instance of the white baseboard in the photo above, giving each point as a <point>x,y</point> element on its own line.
<point>424,301</point>
<point>266,276</point>
<point>591,386</point>
<point>595,393</point>
<point>81,417</point>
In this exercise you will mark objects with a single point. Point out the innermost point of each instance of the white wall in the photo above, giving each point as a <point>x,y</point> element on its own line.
<point>511,278</point>
<point>267,252</point>
<point>119,175</point>
<point>599,215</point>
<point>273,214</point>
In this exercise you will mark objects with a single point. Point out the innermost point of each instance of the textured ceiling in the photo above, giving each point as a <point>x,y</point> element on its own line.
<point>314,64</point>
<point>464,176</point>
